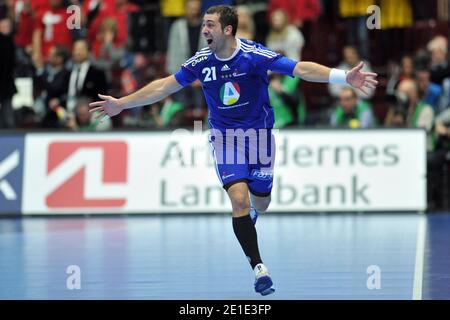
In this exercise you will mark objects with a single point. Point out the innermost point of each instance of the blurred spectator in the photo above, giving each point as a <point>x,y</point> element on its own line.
<point>93,11</point>
<point>351,60</point>
<point>352,112</point>
<point>395,14</point>
<point>23,21</point>
<point>50,28</point>
<point>410,111</point>
<point>137,73</point>
<point>209,3</point>
<point>299,11</point>
<point>407,68</point>
<point>442,129</point>
<point>83,120</point>
<point>286,100</point>
<point>26,118</point>
<point>96,11</point>
<point>284,37</point>
<point>246,25</point>
<point>444,102</point>
<point>85,79</point>
<point>7,64</point>
<point>398,73</point>
<point>6,10</point>
<point>430,93</point>
<point>440,66</point>
<point>52,79</point>
<point>437,160</point>
<point>396,17</point>
<point>171,10</point>
<point>185,39</point>
<point>56,115</point>
<point>354,13</point>
<point>169,114</point>
<point>5,25</point>
<point>106,53</point>
<point>38,5</point>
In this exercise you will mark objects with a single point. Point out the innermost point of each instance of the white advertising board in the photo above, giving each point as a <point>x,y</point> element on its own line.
<point>160,172</point>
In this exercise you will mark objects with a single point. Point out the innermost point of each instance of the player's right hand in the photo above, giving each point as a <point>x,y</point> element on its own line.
<point>109,106</point>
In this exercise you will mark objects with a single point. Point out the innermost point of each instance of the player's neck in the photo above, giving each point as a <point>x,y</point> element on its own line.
<point>228,49</point>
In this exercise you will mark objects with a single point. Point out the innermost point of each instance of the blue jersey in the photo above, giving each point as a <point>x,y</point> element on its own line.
<point>236,89</point>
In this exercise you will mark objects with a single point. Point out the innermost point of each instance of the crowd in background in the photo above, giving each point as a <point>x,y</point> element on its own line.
<point>121,45</point>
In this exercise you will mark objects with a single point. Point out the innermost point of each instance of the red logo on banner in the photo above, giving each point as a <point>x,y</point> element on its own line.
<point>84,174</point>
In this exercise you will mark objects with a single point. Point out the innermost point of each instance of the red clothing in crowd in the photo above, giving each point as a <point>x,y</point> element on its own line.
<point>109,9</point>
<point>53,24</point>
<point>40,4</point>
<point>25,19</point>
<point>298,10</point>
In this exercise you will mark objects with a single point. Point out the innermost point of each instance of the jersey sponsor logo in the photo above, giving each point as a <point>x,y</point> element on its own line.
<point>84,174</point>
<point>198,60</point>
<point>230,93</point>
<point>225,68</point>
<point>262,174</point>
<point>237,73</point>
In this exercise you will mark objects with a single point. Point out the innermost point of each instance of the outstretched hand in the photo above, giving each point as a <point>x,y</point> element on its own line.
<point>109,106</point>
<point>361,80</point>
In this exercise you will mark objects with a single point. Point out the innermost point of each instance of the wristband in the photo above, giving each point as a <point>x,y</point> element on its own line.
<point>338,76</point>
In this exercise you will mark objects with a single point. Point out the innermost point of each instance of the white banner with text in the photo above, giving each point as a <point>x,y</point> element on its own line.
<point>163,172</point>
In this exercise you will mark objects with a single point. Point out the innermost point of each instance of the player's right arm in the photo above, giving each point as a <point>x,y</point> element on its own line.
<point>153,92</point>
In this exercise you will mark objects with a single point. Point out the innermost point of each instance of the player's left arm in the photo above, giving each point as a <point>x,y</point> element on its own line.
<point>314,72</point>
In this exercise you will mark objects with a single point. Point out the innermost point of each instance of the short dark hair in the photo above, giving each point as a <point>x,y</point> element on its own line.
<point>61,51</point>
<point>227,16</point>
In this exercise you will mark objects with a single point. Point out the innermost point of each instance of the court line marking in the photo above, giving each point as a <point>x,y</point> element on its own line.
<point>420,257</point>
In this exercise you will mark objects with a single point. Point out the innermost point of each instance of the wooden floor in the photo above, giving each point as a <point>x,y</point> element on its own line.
<point>332,256</point>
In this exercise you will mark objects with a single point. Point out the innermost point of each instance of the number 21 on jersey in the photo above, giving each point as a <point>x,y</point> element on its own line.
<point>210,74</point>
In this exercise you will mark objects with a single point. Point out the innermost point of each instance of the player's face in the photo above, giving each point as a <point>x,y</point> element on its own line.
<point>212,31</point>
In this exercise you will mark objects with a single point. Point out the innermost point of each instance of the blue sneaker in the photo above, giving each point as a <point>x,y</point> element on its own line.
<point>263,282</point>
<point>253,214</point>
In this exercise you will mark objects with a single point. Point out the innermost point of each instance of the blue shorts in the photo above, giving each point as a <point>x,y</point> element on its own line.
<point>245,157</point>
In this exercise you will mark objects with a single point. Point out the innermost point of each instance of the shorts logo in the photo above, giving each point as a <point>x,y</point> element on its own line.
<point>230,93</point>
<point>262,175</point>
<point>86,174</point>
<point>226,176</point>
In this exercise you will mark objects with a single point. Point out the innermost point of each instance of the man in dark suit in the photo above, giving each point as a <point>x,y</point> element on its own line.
<point>85,79</point>
<point>52,79</point>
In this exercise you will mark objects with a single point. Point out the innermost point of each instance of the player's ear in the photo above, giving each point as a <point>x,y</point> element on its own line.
<point>228,30</point>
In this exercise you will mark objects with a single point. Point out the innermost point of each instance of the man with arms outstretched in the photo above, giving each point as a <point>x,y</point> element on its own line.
<point>233,73</point>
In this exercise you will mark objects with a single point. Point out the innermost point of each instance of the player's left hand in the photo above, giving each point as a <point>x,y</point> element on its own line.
<point>361,80</point>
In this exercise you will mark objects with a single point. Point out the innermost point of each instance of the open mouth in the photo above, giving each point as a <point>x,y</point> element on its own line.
<point>209,41</point>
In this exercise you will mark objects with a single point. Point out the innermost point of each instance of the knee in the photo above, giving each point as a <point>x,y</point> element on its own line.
<point>240,203</point>
<point>261,204</point>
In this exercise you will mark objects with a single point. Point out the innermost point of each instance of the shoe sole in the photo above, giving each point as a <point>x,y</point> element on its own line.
<point>264,286</point>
